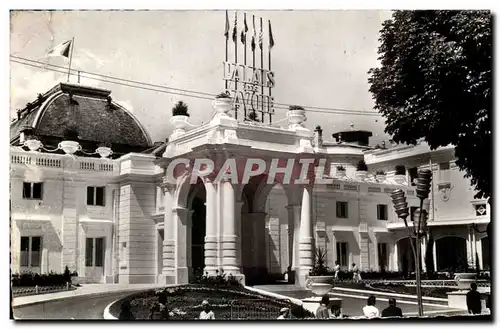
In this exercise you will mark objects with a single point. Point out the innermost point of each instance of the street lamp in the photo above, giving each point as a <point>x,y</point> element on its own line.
<point>419,223</point>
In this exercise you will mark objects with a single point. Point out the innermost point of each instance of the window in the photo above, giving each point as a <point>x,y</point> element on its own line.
<point>444,172</point>
<point>32,190</point>
<point>413,175</point>
<point>480,209</point>
<point>382,212</point>
<point>342,209</point>
<point>342,255</point>
<point>95,196</point>
<point>382,256</point>
<point>94,252</point>
<point>31,251</point>
<point>412,212</point>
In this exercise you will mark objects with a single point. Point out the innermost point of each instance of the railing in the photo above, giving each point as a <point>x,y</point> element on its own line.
<point>59,161</point>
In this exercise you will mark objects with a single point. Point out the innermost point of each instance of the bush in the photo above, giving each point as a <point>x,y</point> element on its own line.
<point>219,280</point>
<point>29,279</point>
<point>180,109</point>
<point>224,94</point>
<point>340,168</point>
<point>361,166</point>
<point>319,267</point>
<point>400,170</point>
<point>380,172</point>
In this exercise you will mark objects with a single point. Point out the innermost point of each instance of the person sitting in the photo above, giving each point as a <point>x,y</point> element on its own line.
<point>284,313</point>
<point>336,312</point>
<point>126,311</point>
<point>392,310</point>
<point>206,313</point>
<point>473,300</point>
<point>370,311</point>
<point>322,311</point>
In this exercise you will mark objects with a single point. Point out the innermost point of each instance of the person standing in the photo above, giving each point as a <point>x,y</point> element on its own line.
<point>355,273</point>
<point>473,300</point>
<point>336,312</point>
<point>322,311</point>
<point>206,313</point>
<point>337,269</point>
<point>392,310</point>
<point>370,311</point>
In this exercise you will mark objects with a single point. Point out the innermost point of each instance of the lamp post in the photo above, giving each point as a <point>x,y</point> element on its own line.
<point>419,223</point>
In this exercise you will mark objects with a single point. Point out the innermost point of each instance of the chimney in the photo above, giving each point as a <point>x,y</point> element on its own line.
<point>318,137</point>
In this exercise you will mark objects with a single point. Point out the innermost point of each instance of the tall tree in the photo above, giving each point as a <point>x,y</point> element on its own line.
<point>435,81</point>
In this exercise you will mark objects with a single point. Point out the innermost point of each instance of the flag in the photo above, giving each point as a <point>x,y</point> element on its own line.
<point>226,31</point>
<point>253,34</point>
<point>271,39</point>
<point>261,36</point>
<point>244,31</point>
<point>61,50</point>
<point>235,29</point>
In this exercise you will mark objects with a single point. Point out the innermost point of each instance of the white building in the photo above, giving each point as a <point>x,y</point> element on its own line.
<point>120,219</point>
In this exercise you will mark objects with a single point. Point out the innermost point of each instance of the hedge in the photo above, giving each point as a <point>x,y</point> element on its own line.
<point>29,279</point>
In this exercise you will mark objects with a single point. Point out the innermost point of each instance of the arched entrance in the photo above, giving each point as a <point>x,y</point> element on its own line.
<point>451,254</point>
<point>198,228</point>
<point>406,261</point>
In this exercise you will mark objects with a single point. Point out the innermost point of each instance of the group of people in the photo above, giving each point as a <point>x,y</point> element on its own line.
<point>160,311</point>
<point>370,311</point>
<point>356,276</point>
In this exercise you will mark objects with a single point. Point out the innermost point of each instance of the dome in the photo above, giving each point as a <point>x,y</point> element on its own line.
<point>87,112</point>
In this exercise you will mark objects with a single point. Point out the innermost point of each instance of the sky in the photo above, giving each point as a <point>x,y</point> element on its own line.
<point>320,59</point>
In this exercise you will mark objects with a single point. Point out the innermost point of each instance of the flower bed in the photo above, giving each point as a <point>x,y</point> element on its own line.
<point>227,303</point>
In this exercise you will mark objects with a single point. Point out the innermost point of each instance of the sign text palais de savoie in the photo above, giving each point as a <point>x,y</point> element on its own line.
<point>247,85</point>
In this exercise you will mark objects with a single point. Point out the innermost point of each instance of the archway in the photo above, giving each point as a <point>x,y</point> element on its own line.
<point>451,254</point>
<point>196,228</point>
<point>406,260</point>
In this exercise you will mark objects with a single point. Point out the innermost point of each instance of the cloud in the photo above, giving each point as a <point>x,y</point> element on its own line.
<point>27,82</point>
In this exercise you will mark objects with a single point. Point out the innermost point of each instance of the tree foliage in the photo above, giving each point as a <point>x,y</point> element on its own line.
<point>435,82</point>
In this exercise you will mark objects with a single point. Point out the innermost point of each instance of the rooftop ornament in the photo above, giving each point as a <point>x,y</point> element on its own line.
<point>67,146</point>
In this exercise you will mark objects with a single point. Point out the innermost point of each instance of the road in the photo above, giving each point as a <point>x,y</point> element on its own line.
<point>75,308</point>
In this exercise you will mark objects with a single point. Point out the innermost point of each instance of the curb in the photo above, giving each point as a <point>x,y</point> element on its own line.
<point>107,314</point>
<point>385,299</point>
<point>275,295</point>
<point>93,294</point>
<point>410,298</point>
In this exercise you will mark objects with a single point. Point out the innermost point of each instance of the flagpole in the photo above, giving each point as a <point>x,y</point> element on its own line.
<point>236,60</point>
<point>227,40</point>
<point>269,57</point>
<point>71,56</point>
<point>245,56</point>
<point>253,58</point>
<point>261,44</point>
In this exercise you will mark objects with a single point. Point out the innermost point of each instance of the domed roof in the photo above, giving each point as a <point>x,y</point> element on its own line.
<point>86,111</point>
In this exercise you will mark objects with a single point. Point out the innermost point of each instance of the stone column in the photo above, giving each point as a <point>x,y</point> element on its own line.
<point>306,240</point>
<point>423,246</point>
<point>230,259</point>
<point>237,224</point>
<point>181,217</point>
<point>376,266</point>
<point>434,256</point>
<point>168,270</point>
<point>211,229</point>
<point>334,248</point>
<point>294,212</point>
<point>395,256</point>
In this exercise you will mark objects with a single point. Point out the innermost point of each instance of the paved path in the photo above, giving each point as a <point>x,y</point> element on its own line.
<point>350,305</point>
<point>87,302</point>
